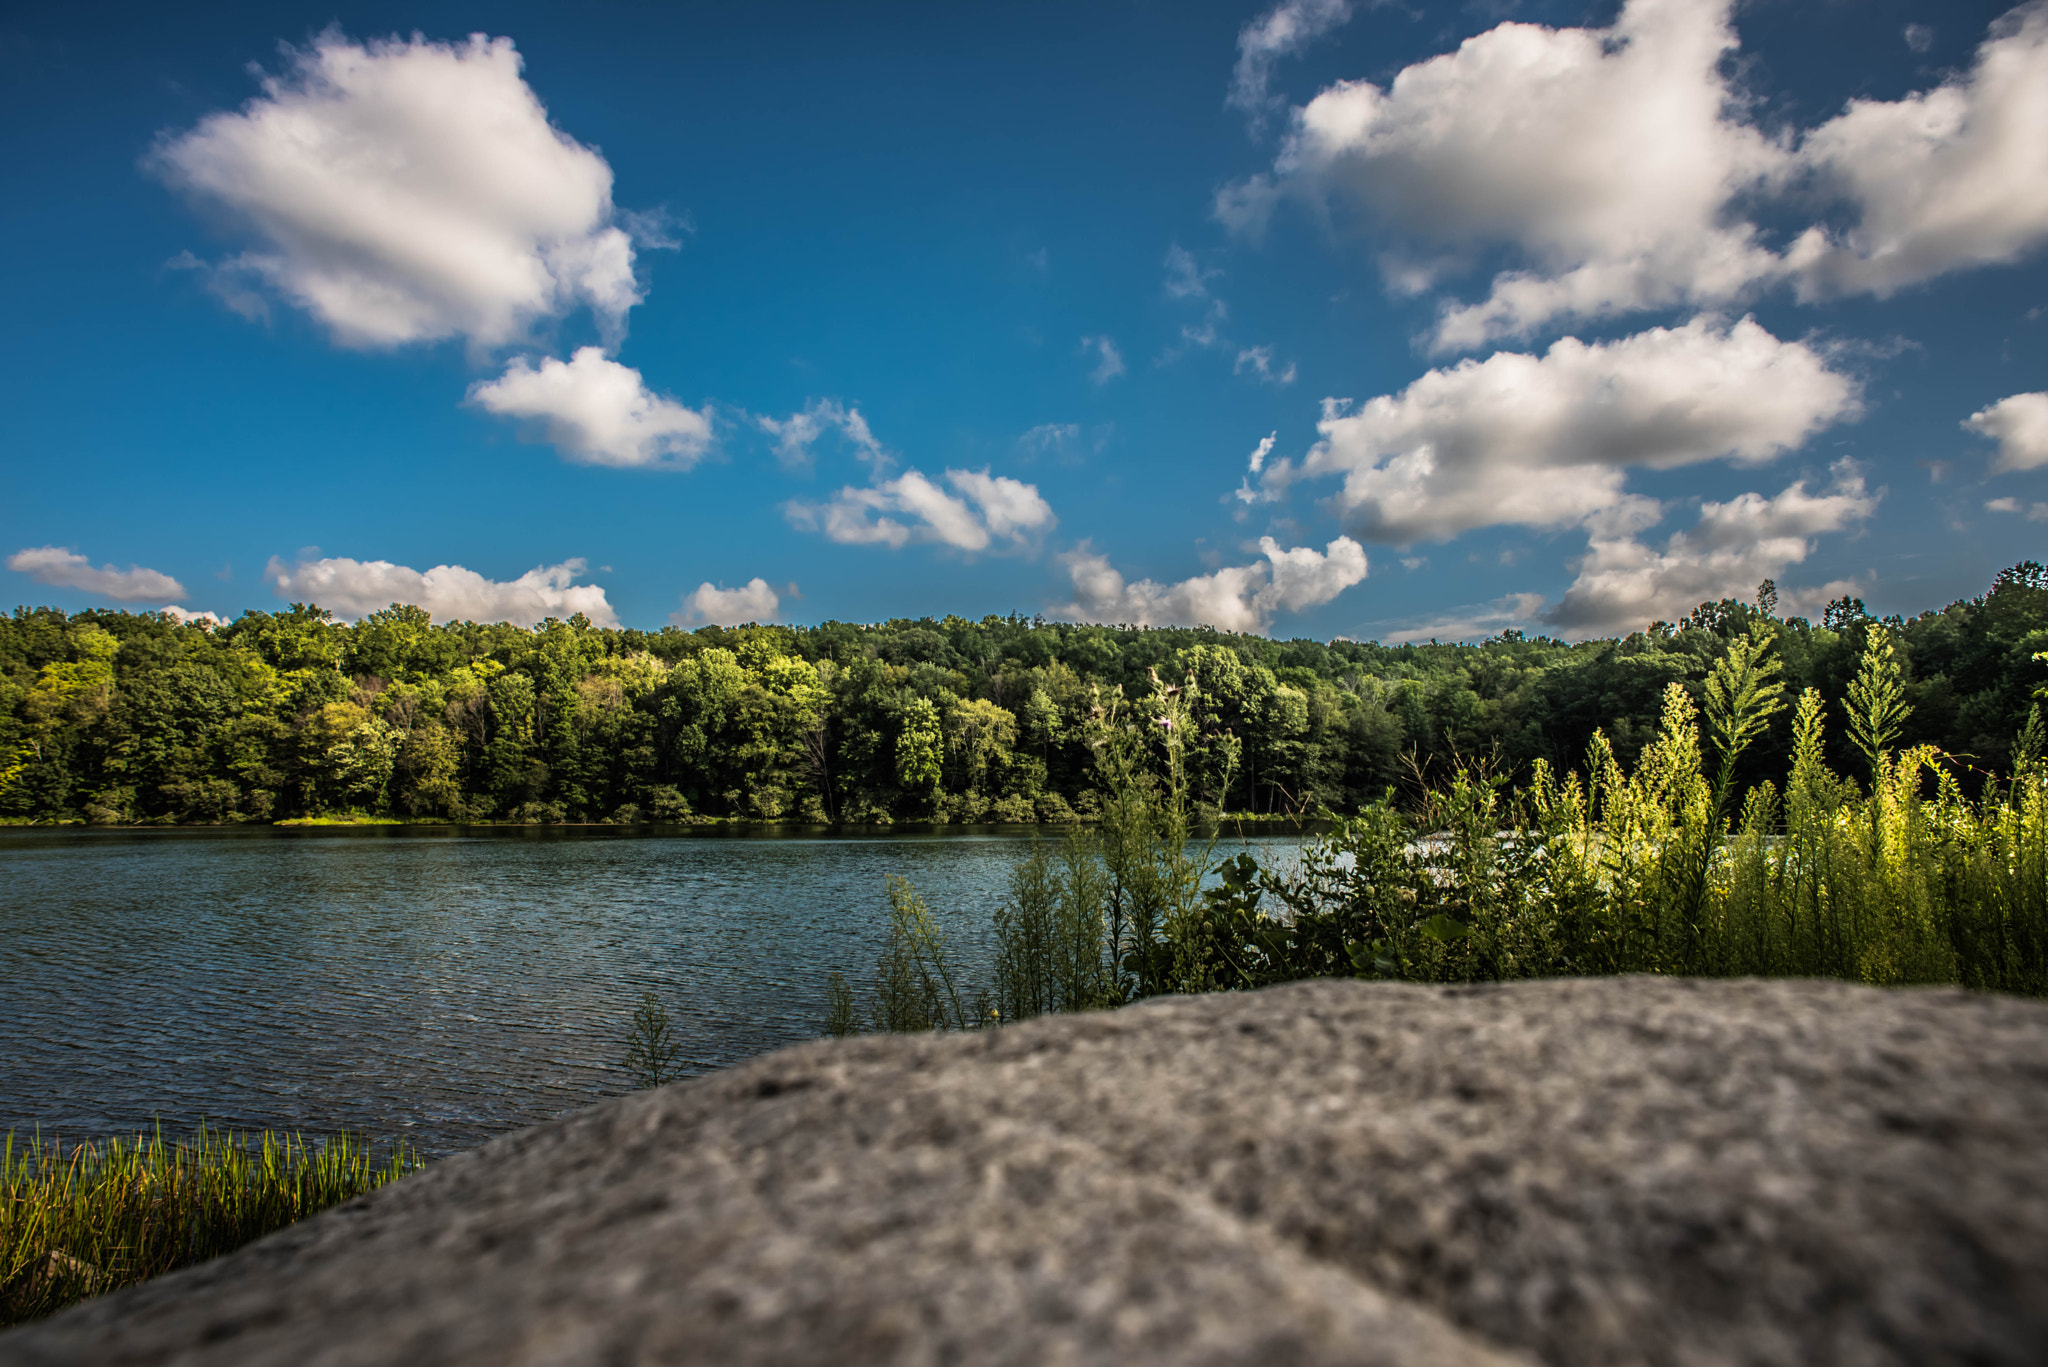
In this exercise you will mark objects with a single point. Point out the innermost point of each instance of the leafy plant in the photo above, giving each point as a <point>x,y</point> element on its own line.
<point>842,1016</point>
<point>915,985</point>
<point>652,1050</point>
<point>1877,702</point>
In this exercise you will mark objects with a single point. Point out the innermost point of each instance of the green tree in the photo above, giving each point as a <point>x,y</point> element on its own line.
<point>919,750</point>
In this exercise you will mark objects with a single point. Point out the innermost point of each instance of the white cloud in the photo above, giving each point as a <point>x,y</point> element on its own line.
<point>2036,512</point>
<point>1604,155</point>
<point>180,615</point>
<point>753,601</point>
<point>1941,180</point>
<point>1304,578</point>
<point>69,570</point>
<point>1050,436</point>
<point>1474,622</point>
<point>1919,37</point>
<point>1203,335</point>
<point>1185,278</point>
<point>1259,360</point>
<point>1235,598</point>
<point>352,588</point>
<point>1282,31</point>
<point>1257,463</point>
<point>1813,600</point>
<point>1261,451</point>
<point>1245,207</point>
<point>1621,166</point>
<point>797,433</point>
<point>1009,508</point>
<point>594,410</point>
<point>1546,441</point>
<point>1109,362</point>
<point>909,508</point>
<point>410,191</point>
<point>1623,584</point>
<point>2019,424</point>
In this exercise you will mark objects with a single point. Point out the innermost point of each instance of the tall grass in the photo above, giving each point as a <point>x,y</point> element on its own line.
<point>89,1218</point>
<point>1669,867</point>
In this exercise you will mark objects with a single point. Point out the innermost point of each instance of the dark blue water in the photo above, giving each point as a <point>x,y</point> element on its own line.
<point>434,984</point>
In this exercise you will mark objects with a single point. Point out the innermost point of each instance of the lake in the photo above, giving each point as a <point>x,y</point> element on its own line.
<point>436,984</point>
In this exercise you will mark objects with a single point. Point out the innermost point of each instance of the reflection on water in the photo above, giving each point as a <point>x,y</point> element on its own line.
<point>439,984</point>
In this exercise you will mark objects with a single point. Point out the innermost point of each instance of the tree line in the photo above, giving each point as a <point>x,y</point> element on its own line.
<point>119,717</point>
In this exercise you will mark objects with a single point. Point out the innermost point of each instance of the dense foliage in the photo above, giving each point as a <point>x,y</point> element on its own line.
<point>125,717</point>
<point>1666,866</point>
<point>90,1218</point>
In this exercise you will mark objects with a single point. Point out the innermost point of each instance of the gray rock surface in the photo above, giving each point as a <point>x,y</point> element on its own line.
<point>1622,1171</point>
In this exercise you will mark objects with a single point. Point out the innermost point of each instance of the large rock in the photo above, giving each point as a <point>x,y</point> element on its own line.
<point>1625,1171</point>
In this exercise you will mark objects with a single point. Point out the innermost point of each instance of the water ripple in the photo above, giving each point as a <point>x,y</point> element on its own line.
<point>437,984</point>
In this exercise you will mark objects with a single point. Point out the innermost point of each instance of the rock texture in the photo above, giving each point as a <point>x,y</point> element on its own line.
<point>1622,1171</point>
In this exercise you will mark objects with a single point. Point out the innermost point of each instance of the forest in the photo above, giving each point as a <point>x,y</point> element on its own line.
<point>111,717</point>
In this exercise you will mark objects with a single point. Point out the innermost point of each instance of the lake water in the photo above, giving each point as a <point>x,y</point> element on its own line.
<point>436,984</point>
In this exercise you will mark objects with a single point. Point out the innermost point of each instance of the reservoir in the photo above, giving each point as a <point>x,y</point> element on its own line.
<point>436,984</point>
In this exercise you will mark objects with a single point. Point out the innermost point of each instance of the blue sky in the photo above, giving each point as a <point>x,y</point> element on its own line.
<point>1559,317</point>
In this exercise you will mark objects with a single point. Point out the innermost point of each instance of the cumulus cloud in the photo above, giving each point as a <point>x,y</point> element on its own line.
<point>895,512</point>
<point>1282,31</point>
<point>1623,583</point>
<point>410,191</point>
<point>797,433</point>
<point>1941,180</point>
<point>352,588</point>
<point>70,570</point>
<point>596,411</point>
<point>1235,598</point>
<point>2036,512</point>
<point>186,616</point>
<point>1604,155</point>
<point>1304,578</point>
<point>753,601</point>
<point>2019,424</point>
<point>1109,362</point>
<point>1546,441</point>
<point>1622,168</point>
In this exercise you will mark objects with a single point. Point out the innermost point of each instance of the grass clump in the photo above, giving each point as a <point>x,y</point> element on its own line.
<point>85,1219</point>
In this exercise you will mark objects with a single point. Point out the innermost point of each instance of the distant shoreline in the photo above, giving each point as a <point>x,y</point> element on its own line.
<point>1293,823</point>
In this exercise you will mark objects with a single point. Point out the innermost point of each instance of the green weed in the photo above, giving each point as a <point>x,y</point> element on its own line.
<point>1666,867</point>
<point>89,1218</point>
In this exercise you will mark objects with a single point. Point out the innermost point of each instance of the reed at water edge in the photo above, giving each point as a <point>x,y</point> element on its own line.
<point>91,1217</point>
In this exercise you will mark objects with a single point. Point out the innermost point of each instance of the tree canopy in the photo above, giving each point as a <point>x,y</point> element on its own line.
<point>133,717</point>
